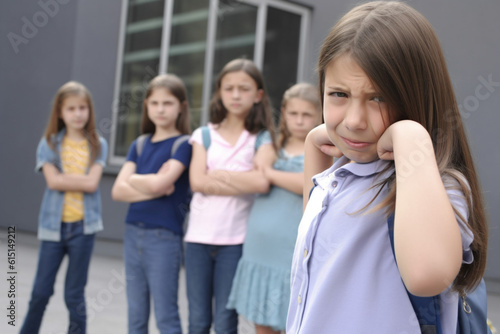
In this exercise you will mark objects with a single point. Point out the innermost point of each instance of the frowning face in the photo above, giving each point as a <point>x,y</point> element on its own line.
<point>75,112</point>
<point>163,108</point>
<point>354,112</point>
<point>239,92</point>
<point>301,116</point>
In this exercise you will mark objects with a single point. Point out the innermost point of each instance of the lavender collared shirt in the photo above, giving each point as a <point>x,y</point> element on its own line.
<point>344,277</point>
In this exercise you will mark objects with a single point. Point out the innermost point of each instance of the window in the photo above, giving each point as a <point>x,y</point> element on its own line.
<point>281,52</point>
<point>194,40</point>
<point>187,49</point>
<point>139,64</point>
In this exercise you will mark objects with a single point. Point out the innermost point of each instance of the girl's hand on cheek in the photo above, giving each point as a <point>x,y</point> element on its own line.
<point>408,136</point>
<point>320,139</point>
<point>331,150</point>
<point>385,147</point>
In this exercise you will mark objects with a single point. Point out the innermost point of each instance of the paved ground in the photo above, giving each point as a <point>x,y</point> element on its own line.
<point>105,291</point>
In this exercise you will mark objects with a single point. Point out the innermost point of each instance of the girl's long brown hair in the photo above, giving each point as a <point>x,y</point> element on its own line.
<point>399,51</point>
<point>260,117</point>
<point>56,123</point>
<point>176,87</point>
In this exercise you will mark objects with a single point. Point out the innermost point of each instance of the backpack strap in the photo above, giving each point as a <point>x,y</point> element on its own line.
<point>426,308</point>
<point>140,141</point>
<point>205,135</point>
<point>181,139</point>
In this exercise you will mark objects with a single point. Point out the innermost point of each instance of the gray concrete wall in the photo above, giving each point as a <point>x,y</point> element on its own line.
<point>94,63</point>
<point>73,40</point>
<point>30,74</point>
<point>79,42</point>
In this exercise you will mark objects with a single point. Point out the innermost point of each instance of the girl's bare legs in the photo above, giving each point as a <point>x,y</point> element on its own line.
<point>265,330</point>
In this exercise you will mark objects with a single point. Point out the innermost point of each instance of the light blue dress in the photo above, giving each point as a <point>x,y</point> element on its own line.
<point>261,286</point>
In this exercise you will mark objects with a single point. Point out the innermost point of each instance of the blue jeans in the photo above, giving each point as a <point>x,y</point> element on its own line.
<point>210,271</point>
<point>78,247</point>
<point>152,265</point>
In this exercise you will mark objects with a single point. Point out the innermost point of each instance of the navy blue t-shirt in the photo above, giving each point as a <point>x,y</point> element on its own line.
<point>165,211</point>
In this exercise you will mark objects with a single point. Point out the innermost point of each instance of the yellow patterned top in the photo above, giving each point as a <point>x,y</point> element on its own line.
<point>74,159</point>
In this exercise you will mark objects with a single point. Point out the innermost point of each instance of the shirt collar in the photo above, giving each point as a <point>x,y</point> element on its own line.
<point>58,137</point>
<point>343,167</point>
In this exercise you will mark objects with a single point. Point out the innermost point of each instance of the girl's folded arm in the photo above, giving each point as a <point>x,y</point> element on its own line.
<point>238,183</point>
<point>199,179</point>
<point>221,182</point>
<point>248,182</point>
<point>122,191</point>
<point>426,232</point>
<point>290,181</point>
<point>265,156</point>
<point>158,184</point>
<point>88,183</point>
<point>254,181</point>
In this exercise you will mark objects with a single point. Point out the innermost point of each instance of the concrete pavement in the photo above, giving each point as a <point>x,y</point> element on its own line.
<point>105,293</point>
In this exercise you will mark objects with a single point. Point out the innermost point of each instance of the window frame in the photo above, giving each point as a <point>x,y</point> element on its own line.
<point>302,10</point>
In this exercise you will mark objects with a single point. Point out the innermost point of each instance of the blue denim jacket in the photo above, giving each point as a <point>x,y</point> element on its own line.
<point>49,219</point>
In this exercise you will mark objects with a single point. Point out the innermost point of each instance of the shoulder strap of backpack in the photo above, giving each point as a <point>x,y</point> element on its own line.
<point>140,141</point>
<point>426,308</point>
<point>181,139</point>
<point>205,135</point>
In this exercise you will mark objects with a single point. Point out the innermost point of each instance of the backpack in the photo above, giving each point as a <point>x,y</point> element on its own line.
<point>205,134</point>
<point>141,140</point>
<point>472,307</point>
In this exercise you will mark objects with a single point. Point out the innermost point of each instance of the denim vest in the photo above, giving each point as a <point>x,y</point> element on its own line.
<point>49,219</point>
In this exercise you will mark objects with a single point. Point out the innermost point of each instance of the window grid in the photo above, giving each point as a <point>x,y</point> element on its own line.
<point>209,46</point>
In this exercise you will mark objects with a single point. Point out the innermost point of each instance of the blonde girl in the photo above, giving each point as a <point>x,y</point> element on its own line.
<point>224,180</point>
<point>155,181</point>
<point>261,286</point>
<point>71,156</point>
<point>392,119</point>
